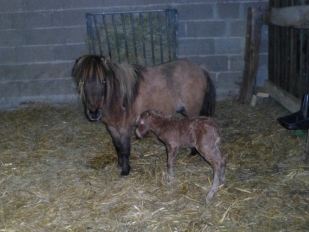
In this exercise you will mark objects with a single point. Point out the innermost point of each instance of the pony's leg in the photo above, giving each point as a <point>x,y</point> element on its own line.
<point>171,158</point>
<point>124,153</point>
<point>122,143</point>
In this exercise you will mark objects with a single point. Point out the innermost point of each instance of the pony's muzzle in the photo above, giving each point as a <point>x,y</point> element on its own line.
<point>94,115</point>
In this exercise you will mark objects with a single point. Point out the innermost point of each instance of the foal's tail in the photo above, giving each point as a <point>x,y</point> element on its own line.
<point>209,103</point>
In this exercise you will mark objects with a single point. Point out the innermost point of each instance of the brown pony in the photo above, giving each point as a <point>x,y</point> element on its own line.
<point>117,94</point>
<point>201,133</point>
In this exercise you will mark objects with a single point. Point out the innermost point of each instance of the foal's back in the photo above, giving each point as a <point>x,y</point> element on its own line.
<point>189,132</point>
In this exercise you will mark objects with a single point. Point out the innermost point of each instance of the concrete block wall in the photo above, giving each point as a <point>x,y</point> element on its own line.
<point>40,40</point>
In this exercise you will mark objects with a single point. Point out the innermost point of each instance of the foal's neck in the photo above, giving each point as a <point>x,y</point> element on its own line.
<point>158,124</point>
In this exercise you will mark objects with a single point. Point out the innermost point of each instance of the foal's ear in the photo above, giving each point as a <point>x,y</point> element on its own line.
<point>138,117</point>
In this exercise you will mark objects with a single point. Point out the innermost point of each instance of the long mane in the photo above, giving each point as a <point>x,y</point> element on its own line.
<point>120,81</point>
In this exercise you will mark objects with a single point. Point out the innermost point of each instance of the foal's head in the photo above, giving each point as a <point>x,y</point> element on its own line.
<point>143,124</point>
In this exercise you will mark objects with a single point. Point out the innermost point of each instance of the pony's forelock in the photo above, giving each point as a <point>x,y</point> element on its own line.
<point>88,68</point>
<point>122,80</point>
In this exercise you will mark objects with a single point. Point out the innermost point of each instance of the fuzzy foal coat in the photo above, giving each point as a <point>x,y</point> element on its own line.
<point>199,132</point>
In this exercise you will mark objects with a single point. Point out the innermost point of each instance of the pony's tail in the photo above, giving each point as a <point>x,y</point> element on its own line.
<point>209,103</point>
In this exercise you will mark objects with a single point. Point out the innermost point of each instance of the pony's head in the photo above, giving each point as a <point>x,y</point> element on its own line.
<point>105,87</point>
<point>90,74</point>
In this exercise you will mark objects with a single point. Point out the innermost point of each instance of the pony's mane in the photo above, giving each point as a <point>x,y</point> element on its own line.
<point>121,81</point>
<point>129,77</point>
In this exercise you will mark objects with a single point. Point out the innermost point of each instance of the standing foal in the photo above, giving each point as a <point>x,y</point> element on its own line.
<point>200,132</point>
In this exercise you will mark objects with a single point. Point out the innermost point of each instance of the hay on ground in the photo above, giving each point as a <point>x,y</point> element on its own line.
<point>59,173</point>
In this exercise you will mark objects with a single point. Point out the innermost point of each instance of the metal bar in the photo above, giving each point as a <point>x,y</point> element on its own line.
<point>160,37</point>
<point>134,38</point>
<point>97,30</point>
<point>125,35</point>
<point>107,36</point>
<point>90,39</point>
<point>146,38</point>
<point>168,29</point>
<point>151,38</point>
<point>143,40</point>
<point>116,36</point>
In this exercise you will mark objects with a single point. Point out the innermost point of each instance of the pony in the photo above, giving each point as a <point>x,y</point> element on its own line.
<point>201,133</point>
<point>117,94</point>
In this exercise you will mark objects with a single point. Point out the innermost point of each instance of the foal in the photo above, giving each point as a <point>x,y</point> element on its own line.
<point>200,132</point>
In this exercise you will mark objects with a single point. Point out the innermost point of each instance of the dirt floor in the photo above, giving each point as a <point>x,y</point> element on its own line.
<point>58,172</point>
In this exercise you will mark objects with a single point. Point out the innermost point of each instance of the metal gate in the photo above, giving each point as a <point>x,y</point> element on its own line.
<point>142,37</point>
<point>289,54</point>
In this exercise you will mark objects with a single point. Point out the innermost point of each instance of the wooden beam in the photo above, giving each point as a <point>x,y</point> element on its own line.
<point>283,97</point>
<point>253,37</point>
<point>293,16</point>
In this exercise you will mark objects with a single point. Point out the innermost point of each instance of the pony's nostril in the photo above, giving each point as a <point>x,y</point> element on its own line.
<point>94,115</point>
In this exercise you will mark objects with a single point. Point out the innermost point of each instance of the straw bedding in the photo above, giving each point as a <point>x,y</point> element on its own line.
<point>58,172</point>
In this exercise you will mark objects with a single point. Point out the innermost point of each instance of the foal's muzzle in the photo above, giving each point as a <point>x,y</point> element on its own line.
<point>94,115</point>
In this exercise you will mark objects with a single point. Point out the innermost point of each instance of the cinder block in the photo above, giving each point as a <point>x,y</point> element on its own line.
<point>11,38</point>
<point>11,6</point>
<point>13,72</point>
<point>31,54</point>
<point>229,45</point>
<point>228,10</point>
<point>195,11</point>
<point>12,21</point>
<point>237,63</point>
<point>52,86</point>
<point>55,36</point>
<point>69,52</point>
<point>37,19</point>
<point>69,18</point>
<point>206,29</point>
<point>214,63</point>
<point>38,5</point>
<point>195,46</point>
<point>7,56</point>
<point>81,4</point>
<point>238,28</point>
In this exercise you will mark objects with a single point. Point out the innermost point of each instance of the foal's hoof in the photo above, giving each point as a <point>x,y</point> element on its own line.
<point>125,172</point>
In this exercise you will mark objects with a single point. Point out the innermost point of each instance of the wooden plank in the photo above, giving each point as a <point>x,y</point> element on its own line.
<point>253,37</point>
<point>283,97</point>
<point>292,16</point>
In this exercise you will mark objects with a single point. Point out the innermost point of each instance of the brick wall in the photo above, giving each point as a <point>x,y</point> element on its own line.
<point>40,40</point>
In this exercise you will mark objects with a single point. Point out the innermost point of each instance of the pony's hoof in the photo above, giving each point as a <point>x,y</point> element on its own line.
<point>125,172</point>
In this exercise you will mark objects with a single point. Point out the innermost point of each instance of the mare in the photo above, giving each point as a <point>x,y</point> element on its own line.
<point>117,94</point>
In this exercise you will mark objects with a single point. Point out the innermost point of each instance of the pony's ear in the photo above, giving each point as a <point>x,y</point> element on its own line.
<point>105,62</point>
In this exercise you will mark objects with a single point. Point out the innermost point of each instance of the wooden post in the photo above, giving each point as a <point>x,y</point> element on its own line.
<point>253,37</point>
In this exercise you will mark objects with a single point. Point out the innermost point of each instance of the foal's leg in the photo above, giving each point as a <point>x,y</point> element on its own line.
<point>171,157</point>
<point>213,156</point>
